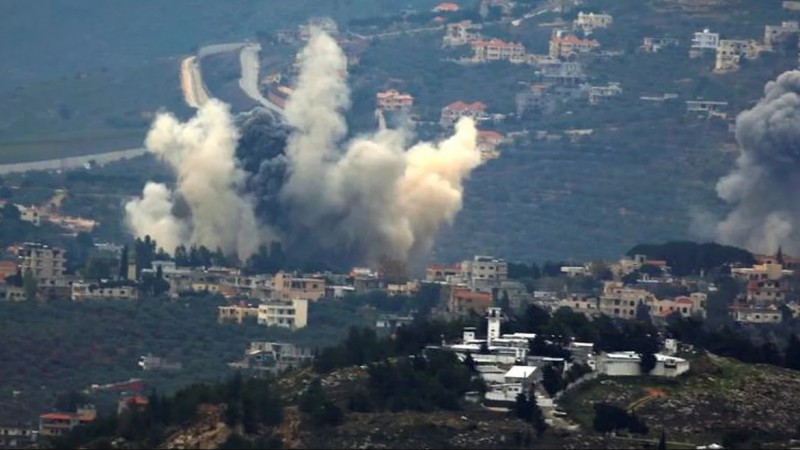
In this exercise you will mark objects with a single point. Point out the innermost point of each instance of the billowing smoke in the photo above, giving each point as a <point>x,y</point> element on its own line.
<point>207,207</point>
<point>361,200</point>
<point>763,187</point>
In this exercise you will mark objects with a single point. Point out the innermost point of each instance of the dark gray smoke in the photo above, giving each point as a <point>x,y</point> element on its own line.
<point>763,188</point>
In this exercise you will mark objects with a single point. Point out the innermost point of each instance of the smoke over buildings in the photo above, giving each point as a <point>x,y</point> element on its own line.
<point>362,200</point>
<point>764,185</point>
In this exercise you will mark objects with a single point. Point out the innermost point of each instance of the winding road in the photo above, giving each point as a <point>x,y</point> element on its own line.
<point>72,162</point>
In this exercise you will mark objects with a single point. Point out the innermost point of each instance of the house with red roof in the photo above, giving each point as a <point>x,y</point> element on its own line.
<point>456,110</point>
<point>446,8</point>
<point>59,423</point>
<point>392,100</point>
<point>488,141</point>
<point>564,45</point>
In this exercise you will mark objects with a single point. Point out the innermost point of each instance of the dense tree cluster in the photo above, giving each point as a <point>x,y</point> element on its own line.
<point>609,418</point>
<point>690,258</point>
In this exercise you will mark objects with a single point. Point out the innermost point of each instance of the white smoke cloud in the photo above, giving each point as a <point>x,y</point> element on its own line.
<point>201,153</point>
<point>371,197</point>
<point>386,199</point>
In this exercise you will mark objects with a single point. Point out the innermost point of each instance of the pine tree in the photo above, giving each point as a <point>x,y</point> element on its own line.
<point>123,263</point>
<point>662,442</point>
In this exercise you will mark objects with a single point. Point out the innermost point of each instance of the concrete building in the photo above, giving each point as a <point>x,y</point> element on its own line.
<point>59,423</point>
<point>775,35</point>
<point>596,93</point>
<point>99,291</point>
<point>567,46</point>
<point>517,380</point>
<point>686,306</point>
<point>30,214</point>
<point>392,100</point>
<point>284,313</point>
<point>45,263</point>
<point>438,272</point>
<point>588,22</point>
<point>236,313</point>
<point>731,51</point>
<point>535,98</point>
<point>622,301</point>
<point>460,33</point>
<point>17,437</point>
<point>456,110</point>
<point>487,144</point>
<point>497,50</point>
<point>707,108</point>
<point>656,44</point>
<point>761,272</point>
<point>9,293</point>
<point>288,287</point>
<point>588,306</point>
<point>273,357</point>
<point>463,301</point>
<point>484,272</point>
<point>627,364</point>
<point>704,40</point>
<point>757,315</point>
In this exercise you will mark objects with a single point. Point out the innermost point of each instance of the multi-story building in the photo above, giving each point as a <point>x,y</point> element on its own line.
<point>731,51</point>
<point>705,40</point>
<point>567,46</point>
<point>621,301</point>
<point>45,263</point>
<point>656,44</point>
<point>488,50</point>
<point>707,108</point>
<point>596,93</point>
<point>535,98</point>
<point>236,313</point>
<point>589,21</point>
<point>761,272</point>
<point>484,272</point>
<point>438,272</point>
<point>487,144</point>
<point>778,34</point>
<point>90,291</point>
<point>11,293</point>
<point>456,110</point>
<point>288,286</point>
<point>587,306</point>
<point>686,306</point>
<point>392,100</point>
<point>59,423</point>
<point>284,313</point>
<point>274,357</point>
<point>460,33</point>
<point>754,314</point>
<point>463,301</point>
<point>17,437</point>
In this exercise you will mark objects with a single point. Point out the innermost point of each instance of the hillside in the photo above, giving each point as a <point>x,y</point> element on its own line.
<point>720,400</point>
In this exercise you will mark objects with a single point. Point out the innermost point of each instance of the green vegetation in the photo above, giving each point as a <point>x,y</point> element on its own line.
<point>689,258</point>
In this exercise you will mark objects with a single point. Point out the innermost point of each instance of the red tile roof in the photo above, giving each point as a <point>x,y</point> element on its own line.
<point>489,134</point>
<point>56,416</point>
<point>574,40</point>
<point>461,106</point>
<point>447,7</point>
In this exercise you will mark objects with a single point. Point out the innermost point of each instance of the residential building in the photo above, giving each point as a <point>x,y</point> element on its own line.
<point>791,5</point>
<point>534,98</point>
<point>707,108</point>
<point>753,314</point>
<point>59,423</point>
<point>237,312</point>
<point>686,306</point>
<point>567,46</point>
<point>494,49</point>
<point>731,51</point>
<point>705,40</point>
<point>30,214</point>
<point>45,263</point>
<point>456,110</point>
<point>437,272</point>
<point>132,403</point>
<point>778,34</point>
<point>587,306</point>
<point>101,291</point>
<point>765,291</point>
<point>288,287</point>
<point>596,93</point>
<point>273,357</point>
<point>760,272</point>
<point>460,33</point>
<point>446,7</point>
<point>392,100</point>
<point>17,437</point>
<point>462,301</point>
<point>517,380</point>
<point>484,272</point>
<point>151,362</point>
<point>339,291</point>
<point>487,144</point>
<point>284,313</point>
<point>656,44</point>
<point>575,271</point>
<point>621,301</point>
<point>11,293</point>
<point>589,21</point>
<point>392,321</point>
<point>563,73</point>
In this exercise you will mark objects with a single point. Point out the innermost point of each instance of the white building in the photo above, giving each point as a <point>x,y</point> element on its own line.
<point>517,380</point>
<point>284,313</point>
<point>589,21</point>
<point>705,40</point>
<point>484,271</point>
<point>627,364</point>
<point>92,291</point>
<point>460,33</point>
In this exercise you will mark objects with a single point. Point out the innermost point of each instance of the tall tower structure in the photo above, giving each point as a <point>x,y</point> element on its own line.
<point>493,317</point>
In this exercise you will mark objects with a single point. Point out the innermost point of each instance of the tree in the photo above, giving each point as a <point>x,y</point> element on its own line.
<point>123,264</point>
<point>97,269</point>
<point>30,285</point>
<point>647,362</point>
<point>551,380</point>
<point>662,442</point>
<point>528,410</point>
<point>643,312</point>
<point>793,353</point>
<point>10,212</point>
<point>470,363</point>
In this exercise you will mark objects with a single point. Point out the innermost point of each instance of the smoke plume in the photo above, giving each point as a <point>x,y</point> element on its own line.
<point>362,200</point>
<point>207,207</point>
<point>764,184</point>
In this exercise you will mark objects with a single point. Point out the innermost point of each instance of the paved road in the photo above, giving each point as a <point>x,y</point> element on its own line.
<point>248,82</point>
<point>195,93</point>
<point>72,162</point>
